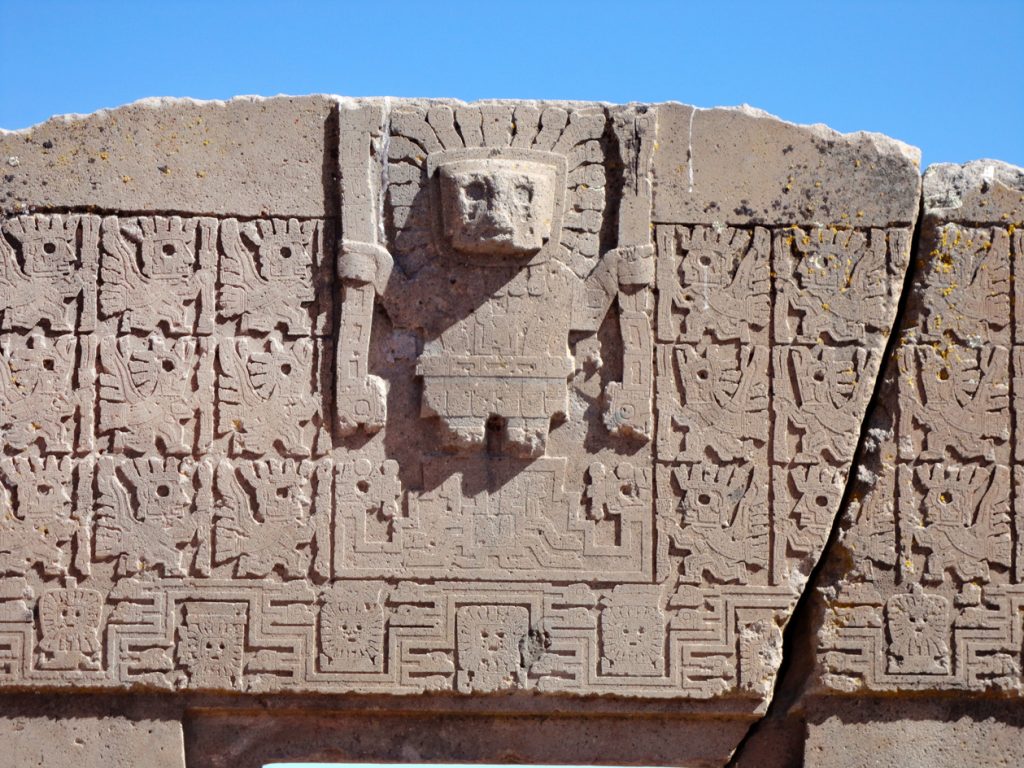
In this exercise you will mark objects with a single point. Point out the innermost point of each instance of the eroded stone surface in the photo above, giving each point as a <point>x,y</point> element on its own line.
<point>525,400</point>
<point>924,591</point>
<point>117,742</point>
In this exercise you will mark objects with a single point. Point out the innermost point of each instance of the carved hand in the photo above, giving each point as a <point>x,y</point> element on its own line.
<point>365,263</point>
<point>635,265</point>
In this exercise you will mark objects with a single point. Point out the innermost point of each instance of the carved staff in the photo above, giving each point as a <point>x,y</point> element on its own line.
<point>629,407</point>
<point>360,399</point>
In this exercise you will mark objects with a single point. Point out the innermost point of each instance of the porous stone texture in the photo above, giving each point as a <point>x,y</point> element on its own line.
<point>112,741</point>
<point>543,412</point>
<point>916,733</point>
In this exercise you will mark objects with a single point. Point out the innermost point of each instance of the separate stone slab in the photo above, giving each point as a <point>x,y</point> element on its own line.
<point>924,590</point>
<point>917,735</point>
<point>407,396</point>
<point>90,741</point>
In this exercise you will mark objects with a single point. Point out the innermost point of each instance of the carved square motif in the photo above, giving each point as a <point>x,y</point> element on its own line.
<point>918,626</point>
<point>156,394</point>
<point>48,265</point>
<point>269,397</point>
<point>632,640</point>
<point>962,290</point>
<point>712,402</point>
<point>274,275</point>
<point>158,273</point>
<point>48,387</point>
<point>714,283</point>
<point>352,628</point>
<point>836,285</point>
<point>819,396</point>
<point>488,644</point>
<point>954,403</point>
<point>212,644</point>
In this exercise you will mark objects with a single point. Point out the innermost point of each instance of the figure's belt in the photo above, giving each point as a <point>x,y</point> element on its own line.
<point>496,365</point>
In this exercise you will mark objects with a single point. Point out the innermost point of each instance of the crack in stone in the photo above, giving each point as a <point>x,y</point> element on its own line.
<point>801,630</point>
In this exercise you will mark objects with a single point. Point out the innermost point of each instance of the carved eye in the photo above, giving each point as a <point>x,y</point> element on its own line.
<point>943,374</point>
<point>821,501</point>
<point>286,252</point>
<point>703,374</point>
<point>476,191</point>
<point>524,194</point>
<point>167,365</point>
<point>818,375</point>
<point>48,364</point>
<point>703,499</point>
<point>44,490</point>
<point>163,491</point>
<point>945,497</point>
<point>286,368</point>
<point>704,260</point>
<point>168,249</point>
<point>49,248</point>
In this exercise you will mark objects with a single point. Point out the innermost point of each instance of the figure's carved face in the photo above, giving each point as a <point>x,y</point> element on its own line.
<point>499,207</point>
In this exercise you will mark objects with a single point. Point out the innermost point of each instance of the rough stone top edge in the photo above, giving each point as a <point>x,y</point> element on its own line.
<point>953,191</point>
<point>883,143</point>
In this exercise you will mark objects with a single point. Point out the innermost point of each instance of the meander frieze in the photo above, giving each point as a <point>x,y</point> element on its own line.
<point>499,421</point>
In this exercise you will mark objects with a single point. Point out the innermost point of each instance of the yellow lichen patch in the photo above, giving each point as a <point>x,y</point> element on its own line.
<point>126,179</point>
<point>104,155</point>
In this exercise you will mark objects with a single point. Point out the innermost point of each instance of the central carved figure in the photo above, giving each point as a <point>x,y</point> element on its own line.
<point>498,306</point>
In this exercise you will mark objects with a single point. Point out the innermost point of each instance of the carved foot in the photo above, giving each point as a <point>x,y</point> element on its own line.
<point>528,438</point>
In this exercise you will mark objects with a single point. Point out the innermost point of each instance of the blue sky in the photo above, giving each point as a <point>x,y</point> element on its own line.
<point>945,76</point>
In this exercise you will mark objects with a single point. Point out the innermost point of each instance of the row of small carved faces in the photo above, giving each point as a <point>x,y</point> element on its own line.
<point>178,275</point>
<point>181,275</point>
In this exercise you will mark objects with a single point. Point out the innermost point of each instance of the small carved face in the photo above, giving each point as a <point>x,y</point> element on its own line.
<point>706,267</point>
<point>167,255</point>
<point>704,505</point>
<point>69,619</point>
<point>284,256</point>
<point>822,268</point>
<point>633,638</point>
<point>49,254</point>
<point>160,493</point>
<point>497,207</point>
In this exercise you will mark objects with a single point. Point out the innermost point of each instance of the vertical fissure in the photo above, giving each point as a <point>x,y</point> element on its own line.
<point>799,637</point>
